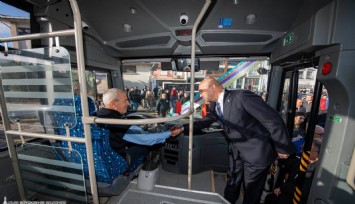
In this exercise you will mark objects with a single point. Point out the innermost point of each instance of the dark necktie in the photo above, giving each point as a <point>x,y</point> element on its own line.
<point>219,111</point>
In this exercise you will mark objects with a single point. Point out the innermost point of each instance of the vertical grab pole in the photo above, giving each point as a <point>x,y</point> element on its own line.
<point>192,88</point>
<point>11,144</point>
<point>83,96</point>
<point>297,195</point>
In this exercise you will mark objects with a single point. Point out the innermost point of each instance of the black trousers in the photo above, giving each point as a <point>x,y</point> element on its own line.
<point>252,177</point>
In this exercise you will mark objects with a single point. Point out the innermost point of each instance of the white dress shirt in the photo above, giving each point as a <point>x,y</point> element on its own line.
<point>220,101</point>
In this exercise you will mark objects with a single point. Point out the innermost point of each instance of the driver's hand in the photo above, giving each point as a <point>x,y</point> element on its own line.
<point>176,130</point>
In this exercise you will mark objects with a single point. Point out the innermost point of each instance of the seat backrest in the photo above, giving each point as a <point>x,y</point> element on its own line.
<point>108,164</point>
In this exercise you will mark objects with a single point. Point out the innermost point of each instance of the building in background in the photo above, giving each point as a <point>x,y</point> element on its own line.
<point>16,26</point>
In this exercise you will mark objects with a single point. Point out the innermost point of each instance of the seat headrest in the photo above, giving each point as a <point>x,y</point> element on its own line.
<point>77,103</point>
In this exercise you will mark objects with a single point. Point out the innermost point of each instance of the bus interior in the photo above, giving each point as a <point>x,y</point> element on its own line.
<point>53,75</point>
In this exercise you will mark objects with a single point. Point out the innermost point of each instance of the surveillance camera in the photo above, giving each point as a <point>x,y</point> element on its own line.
<point>184,19</point>
<point>84,25</point>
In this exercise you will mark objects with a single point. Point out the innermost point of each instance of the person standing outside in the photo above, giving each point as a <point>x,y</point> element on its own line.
<point>163,106</point>
<point>134,99</point>
<point>185,99</point>
<point>299,106</point>
<point>155,91</point>
<point>256,135</point>
<point>143,94</point>
<point>173,98</point>
<point>149,97</point>
<point>308,103</point>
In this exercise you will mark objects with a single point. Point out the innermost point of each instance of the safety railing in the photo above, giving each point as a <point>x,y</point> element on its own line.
<point>77,32</point>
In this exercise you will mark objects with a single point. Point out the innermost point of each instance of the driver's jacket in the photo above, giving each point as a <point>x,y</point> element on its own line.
<point>124,136</point>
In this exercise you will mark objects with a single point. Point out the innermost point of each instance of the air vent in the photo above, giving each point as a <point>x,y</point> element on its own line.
<point>145,42</point>
<point>235,37</point>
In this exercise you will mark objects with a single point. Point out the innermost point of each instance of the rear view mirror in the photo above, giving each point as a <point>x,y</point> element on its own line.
<point>184,64</point>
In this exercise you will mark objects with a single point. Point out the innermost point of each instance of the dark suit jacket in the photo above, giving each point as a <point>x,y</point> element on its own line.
<point>255,131</point>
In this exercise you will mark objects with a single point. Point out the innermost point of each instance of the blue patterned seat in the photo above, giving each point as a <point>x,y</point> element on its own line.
<point>111,169</point>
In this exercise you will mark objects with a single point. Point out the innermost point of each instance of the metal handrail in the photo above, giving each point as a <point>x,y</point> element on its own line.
<point>77,32</point>
<point>39,35</point>
<point>192,87</point>
<point>87,120</point>
<point>46,136</point>
<point>91,120</point>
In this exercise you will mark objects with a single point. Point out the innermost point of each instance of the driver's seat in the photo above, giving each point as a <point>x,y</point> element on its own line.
<point>112,171</point>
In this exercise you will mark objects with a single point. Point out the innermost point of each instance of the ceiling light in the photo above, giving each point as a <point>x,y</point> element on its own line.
<point>127,28</point>
<point>133,10</point>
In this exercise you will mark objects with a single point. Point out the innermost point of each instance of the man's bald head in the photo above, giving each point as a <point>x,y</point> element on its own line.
<point>211,82</point>
<point>210,89</point>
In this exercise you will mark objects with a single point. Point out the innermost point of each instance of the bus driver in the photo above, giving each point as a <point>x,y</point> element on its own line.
<point>130,141</point>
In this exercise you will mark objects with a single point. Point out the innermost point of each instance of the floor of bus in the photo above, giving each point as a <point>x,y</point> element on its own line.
<point>208,181</point>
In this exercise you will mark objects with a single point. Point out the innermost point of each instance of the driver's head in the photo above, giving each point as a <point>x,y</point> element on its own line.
<point>117,100</point>
<point>210,89</point>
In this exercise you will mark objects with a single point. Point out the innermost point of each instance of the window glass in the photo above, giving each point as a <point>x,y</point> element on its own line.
<point>102,82</point>
<point>14,22</point>
<point>37,85</point>
<point>90,83</point>
<point>284,101</point>
<point>233,74</point>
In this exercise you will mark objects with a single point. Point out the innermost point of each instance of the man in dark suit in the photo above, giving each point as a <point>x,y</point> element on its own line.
<point>256,135</point>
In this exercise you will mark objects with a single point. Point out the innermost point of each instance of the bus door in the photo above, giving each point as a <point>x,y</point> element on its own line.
<point>297,86</point>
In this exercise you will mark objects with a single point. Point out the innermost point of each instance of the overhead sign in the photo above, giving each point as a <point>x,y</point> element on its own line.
<point>288,39</point>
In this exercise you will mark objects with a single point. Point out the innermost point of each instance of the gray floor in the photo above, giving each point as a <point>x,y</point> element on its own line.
<point>8,185</point>
<point>207,181</point>
<point>202,181</point>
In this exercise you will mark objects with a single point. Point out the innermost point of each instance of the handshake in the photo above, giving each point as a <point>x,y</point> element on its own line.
<point>176,130</point>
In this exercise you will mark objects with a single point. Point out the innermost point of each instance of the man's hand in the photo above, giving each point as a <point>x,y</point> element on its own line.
<point>283,156</point>
<point>277,191</point>
<point>176,130</point>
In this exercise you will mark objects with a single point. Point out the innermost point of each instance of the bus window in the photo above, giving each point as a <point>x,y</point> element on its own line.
<point>90,83</point>
<point>33,80</point>
<point>14,22</point>
<point>284,99</point>
<point>154,76</point>
<point>102,81</point>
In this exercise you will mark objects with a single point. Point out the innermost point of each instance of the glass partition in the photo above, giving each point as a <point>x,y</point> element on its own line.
<point>285,96</point>
<point>36,84</point>
<point>47,175</point>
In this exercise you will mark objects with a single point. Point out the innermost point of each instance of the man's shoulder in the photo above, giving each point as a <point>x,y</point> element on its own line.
<point>235,92</point>
<point>108,113</point>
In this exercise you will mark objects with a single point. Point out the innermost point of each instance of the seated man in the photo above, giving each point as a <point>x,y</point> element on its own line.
<point>129,141</point>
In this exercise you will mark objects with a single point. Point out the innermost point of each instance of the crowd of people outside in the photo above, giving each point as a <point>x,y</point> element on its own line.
<point>158,100</point>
